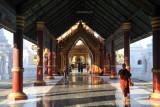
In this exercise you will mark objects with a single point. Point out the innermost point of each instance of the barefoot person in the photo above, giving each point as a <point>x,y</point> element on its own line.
<point>124,76</point>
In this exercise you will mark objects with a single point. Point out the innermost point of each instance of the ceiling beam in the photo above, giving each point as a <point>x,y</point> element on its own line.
<point>47,18</point>
<point>104,22</point>
<point>152,3</point>
<point>69,25</point>
<point>65,19</point>
<point>59,25</point>
<point>94,8</point>
<point>98,19</point>
<point>60,16</point>
<point>111,15</point>
<point>43,7</point>
<point>133,14</point>
<point>59,11</point>
<point>40,15</point>
<point>95,27</point>
<point>140,4</point>
<point>103,16</point>
<point>98,28</point>
<point>28,5</point>
<point>115,9</point>
<point>126,18</point>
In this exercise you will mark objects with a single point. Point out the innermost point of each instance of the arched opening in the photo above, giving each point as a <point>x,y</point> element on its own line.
<point>80,53</point>
<point>139,62</point>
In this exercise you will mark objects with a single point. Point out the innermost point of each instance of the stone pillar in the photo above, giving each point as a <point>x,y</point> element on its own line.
<point>155,21</point>
<point>113,65</point>
<point>39,81</point>
<point>17,70</point>
<point>50,77</point>
<point>127,32</point>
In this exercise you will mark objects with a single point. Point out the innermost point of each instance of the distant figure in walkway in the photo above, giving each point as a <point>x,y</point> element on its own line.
<point>124,76</point>
<point>65,71</point>
<point>70,69</point>
<point>81,67</point>
<point>87,67</point>
<point>72,66</point>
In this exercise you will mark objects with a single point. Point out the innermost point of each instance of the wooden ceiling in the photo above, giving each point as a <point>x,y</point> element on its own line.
<point>103,16</point>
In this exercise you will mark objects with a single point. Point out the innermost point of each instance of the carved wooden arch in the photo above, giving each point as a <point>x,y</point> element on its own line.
<point>88,48</point>
<point>90,41</point>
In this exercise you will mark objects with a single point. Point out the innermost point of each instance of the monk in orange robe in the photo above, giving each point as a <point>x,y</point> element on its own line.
<point>124,76</point>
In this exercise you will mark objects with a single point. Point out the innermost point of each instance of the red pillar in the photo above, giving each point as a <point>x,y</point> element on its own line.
<point>50,77</point>
<point>105,61</point>
<point>67,59</point>
<point>46,62</point>
<point>94,64</point>
<point>127,32</point>
<point>102,59</point>
<point>39,81</point>
<point>108,65</point>
<point>54,65</point>
<point>113,65</point>
<point>155,21</point>
<point>58,59</point>
<point>17,70</point>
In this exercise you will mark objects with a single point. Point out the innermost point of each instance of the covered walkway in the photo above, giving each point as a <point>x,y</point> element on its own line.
<point>103,26</point>
<point>81,90</point>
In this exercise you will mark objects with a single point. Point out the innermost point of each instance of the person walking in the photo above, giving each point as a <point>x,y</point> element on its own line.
<point>81,67</point>
<point>72,66</point>
<point>65,71</point>
<point>124,76</point>
<point>70,69</point>
<point>87,67</point>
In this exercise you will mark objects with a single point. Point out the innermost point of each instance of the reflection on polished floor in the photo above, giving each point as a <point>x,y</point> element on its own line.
<point>80,90</point>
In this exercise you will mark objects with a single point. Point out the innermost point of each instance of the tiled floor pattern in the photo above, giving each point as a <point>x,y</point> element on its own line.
<point>139,93</point>
<point>34,93</point>
<point>85,90</point>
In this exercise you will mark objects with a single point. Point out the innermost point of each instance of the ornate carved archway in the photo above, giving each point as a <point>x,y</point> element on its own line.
<point>94,46</point>
<point>89,50</point>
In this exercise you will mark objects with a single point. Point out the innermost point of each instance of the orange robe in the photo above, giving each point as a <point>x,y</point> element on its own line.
<point>124,75</point>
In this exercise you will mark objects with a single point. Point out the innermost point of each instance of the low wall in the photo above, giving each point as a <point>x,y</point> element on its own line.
<point>30,71</point>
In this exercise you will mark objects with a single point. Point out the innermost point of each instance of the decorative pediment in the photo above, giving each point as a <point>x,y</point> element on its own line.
<point>89,39</point>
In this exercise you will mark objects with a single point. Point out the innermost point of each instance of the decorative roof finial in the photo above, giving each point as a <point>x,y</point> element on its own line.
<point>80,24</point>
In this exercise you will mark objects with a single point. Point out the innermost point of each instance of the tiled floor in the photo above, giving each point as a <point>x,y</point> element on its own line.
<point>82,89</point>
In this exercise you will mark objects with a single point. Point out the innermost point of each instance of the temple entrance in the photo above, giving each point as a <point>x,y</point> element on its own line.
<point>92,44</point>
<point>80,57</point>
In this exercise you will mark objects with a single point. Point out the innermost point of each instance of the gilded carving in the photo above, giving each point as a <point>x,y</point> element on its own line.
<point>91,41</point>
